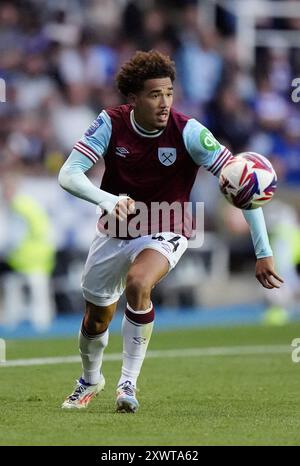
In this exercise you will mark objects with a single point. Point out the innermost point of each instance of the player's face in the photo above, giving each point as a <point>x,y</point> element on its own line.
<point>152,105</point>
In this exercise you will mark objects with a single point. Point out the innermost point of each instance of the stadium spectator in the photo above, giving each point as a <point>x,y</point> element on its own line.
<point>285,152</point>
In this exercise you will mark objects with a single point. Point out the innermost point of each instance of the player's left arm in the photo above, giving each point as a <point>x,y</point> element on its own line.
<point>265,269</point>
<point>206,151</point>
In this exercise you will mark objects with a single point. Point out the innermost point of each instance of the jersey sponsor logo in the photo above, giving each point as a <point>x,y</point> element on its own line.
<point>167,155</point>
<point>208,141</point>
<point>94,126</point>
<point>122,151</point>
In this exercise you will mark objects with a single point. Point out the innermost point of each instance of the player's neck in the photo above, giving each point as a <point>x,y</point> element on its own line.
<point>140,128</point>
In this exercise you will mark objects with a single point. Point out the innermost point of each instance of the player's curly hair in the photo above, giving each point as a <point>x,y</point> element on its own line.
<point>142,66</point>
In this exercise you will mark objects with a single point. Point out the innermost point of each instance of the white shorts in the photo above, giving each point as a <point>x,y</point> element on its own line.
<point>109,259</point>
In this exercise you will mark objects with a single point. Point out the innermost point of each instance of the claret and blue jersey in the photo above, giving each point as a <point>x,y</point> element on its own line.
<point>151,166</point>
<point>137,161</point>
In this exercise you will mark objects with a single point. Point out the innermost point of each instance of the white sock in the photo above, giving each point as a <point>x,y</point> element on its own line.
<point>136,330</point>
<point>91,348</point>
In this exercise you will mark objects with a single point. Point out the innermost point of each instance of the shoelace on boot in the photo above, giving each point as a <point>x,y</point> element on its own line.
<point>128,389</point>
<point>77,392</point>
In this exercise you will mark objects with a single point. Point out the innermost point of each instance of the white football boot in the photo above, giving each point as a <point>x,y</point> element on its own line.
<point>126,400</point>
<point>83,394</point>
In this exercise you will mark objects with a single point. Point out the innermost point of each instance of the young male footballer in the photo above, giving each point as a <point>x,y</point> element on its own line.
<point>152,154</point>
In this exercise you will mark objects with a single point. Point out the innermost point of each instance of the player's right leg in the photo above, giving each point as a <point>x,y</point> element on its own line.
<point>93,339</point>
<point>102,286</point>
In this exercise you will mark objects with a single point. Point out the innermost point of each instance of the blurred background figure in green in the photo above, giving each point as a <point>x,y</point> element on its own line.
<point>284,228</point>
<point>30,258</point>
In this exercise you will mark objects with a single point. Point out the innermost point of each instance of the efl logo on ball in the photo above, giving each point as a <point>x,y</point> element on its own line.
<point>248,181</point>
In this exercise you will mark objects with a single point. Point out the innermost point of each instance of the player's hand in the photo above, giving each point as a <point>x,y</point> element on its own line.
<point>265,273</point>
<point>124,207</point>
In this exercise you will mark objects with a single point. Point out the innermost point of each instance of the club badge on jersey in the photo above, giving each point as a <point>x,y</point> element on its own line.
<point>167,155</point>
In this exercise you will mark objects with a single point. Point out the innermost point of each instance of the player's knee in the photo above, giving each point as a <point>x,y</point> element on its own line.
<point>138,288</point>
<point>96,322</point>
<point>94,327</point>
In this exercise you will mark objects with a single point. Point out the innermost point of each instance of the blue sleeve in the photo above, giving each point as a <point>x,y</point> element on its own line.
<point>258,230</point>
<point>77,162</point>
<point>95,141</point>
<point>73,179</point>
<point>203,148</point>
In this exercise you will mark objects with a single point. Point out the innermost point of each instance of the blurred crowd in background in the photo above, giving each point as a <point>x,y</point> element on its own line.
<point>58,59</point>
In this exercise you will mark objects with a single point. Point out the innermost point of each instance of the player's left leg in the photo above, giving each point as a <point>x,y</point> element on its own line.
<point>147,269</point>
<point>152,257</point>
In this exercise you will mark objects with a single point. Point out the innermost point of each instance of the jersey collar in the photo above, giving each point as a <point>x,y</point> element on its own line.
<point>141,131</point>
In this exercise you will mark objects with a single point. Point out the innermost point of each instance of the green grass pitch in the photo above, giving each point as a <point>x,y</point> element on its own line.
<point>240,399</point>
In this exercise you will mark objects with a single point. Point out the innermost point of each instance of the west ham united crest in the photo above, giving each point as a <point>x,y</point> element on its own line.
<point>167,155</point>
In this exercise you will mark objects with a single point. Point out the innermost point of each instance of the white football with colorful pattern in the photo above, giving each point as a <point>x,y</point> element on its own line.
<point>248,181</point>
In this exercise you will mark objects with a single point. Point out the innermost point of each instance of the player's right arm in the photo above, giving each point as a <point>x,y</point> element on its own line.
<point>86,152</point>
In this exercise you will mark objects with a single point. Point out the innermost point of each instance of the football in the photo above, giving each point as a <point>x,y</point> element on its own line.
<point>248,181</point>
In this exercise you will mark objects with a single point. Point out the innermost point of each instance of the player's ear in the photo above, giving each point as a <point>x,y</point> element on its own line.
<point>132,99</point>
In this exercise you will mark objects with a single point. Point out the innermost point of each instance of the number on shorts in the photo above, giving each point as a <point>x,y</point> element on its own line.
<point>174,241</point>
<point>159,238</point>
